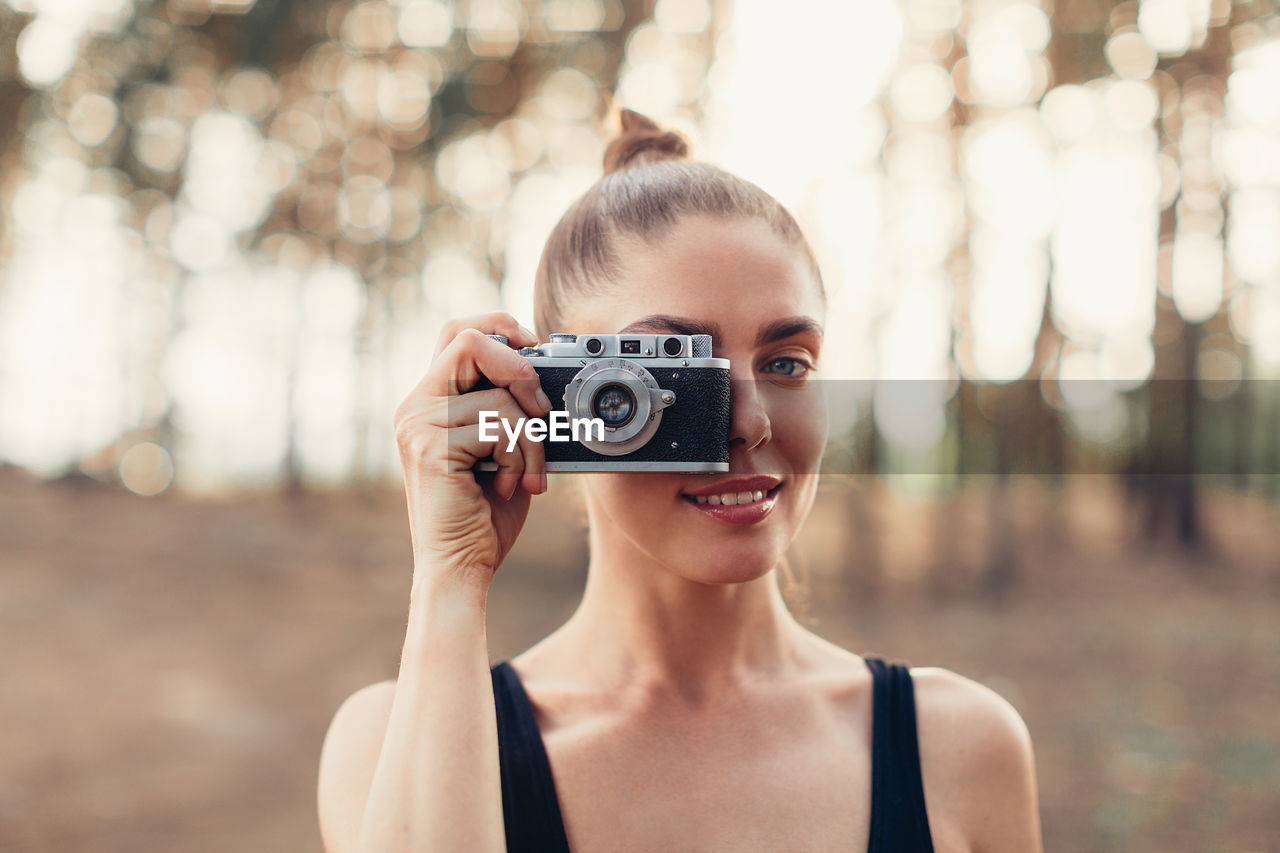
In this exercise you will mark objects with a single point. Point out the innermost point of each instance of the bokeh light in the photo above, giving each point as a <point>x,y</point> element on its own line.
<point>996,191</point>
<point>146,469</point>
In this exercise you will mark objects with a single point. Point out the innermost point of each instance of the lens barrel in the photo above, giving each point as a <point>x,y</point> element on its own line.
<point>614,404</point>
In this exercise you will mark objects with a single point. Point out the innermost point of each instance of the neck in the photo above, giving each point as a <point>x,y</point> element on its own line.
<point>647,625</point>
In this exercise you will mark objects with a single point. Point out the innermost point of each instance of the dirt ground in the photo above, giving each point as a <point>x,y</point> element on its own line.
<point>171,664</point>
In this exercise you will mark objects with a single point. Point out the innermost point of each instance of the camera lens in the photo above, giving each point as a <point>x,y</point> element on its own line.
<point>594,346</point>
<point>614,404</point>
<point>671,346</point>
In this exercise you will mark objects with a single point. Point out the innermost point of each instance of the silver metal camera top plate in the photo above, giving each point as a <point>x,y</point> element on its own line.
<point>648,363</point>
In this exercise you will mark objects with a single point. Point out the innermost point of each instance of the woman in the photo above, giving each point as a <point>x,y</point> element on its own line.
<point>681,707</point>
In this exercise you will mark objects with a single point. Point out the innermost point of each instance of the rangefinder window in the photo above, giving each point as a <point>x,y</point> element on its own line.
<point>672,347</point>
<point>630,346</point>
<point>594,346</point>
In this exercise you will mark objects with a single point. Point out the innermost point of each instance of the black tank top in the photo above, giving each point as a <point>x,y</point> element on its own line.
<point>531,811</point>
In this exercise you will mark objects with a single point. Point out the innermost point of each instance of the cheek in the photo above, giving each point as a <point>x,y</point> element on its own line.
<point>799,420</point>
<point>631,499</point>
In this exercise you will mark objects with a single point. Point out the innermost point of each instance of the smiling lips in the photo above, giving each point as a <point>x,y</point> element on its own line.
<point>737,502</point>
<point>730,498</point>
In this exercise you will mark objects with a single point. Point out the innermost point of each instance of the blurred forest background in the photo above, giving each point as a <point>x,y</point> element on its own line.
<point>229,233</point>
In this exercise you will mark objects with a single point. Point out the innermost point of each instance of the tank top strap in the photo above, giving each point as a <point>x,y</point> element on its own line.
<point>530,809</point>
<point>899,822</point>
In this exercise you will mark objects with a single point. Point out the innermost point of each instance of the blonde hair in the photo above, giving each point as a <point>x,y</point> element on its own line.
<point>649,184</point>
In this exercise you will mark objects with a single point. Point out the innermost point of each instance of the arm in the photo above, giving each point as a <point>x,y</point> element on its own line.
<point>413,764</point>
<point>978,766</point>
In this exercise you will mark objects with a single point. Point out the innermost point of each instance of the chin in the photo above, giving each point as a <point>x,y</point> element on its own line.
<point>727,563</point>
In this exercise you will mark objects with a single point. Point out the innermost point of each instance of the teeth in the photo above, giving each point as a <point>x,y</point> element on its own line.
<point>730,498</point>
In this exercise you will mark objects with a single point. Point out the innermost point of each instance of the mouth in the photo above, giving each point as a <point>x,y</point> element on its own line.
<point>736,503</point>
<point>734,498</point>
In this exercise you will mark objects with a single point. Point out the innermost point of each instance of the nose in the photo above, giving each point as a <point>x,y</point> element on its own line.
<point>749,427</point>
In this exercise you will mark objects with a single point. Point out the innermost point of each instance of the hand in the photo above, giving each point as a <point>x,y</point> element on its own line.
<point>463,523</point>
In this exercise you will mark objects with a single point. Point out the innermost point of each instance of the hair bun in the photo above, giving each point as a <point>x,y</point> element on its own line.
<point>642,141</point>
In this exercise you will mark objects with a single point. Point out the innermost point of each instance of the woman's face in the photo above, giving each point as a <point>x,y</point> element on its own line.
<point>743,284</point>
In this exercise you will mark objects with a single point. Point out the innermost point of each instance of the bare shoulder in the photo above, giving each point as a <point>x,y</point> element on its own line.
<point>977,722</point>
<point>978,766</point>
<point>347,763</point>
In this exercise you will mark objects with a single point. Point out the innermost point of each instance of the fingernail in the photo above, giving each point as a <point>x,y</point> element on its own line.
<point>543,400</point>
<point>544,482</point>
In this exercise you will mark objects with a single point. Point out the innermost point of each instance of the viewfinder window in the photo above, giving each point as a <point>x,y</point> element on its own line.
<point>631,347</point>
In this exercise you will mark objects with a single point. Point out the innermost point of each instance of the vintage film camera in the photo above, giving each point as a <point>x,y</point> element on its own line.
<point>662,402</point>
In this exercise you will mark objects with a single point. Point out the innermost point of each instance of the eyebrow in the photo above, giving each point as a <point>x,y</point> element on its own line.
<point>673,325</point>
<point>774,331</point>
<point>788,327</point>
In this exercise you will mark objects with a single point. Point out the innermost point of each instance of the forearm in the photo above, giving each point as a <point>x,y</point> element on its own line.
<point>437,785</point>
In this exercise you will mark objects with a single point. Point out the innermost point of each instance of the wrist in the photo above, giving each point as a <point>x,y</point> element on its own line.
<point>444,627</point>
<point>442,595</point>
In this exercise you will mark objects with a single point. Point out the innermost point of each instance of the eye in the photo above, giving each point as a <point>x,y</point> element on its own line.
<point>787,366</point>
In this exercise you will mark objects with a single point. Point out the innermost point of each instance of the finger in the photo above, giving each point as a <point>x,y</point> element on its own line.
<point>458,368</point>
<point>510,470</point>
<point>497,323</point>
<point>465,443</point>
<point>467,408</point>
<point>534,480</point>
<point>471,354</point>
<point>492,436</point>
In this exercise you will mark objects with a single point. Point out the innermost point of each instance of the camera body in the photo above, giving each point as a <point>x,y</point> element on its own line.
<point>657,402</point>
